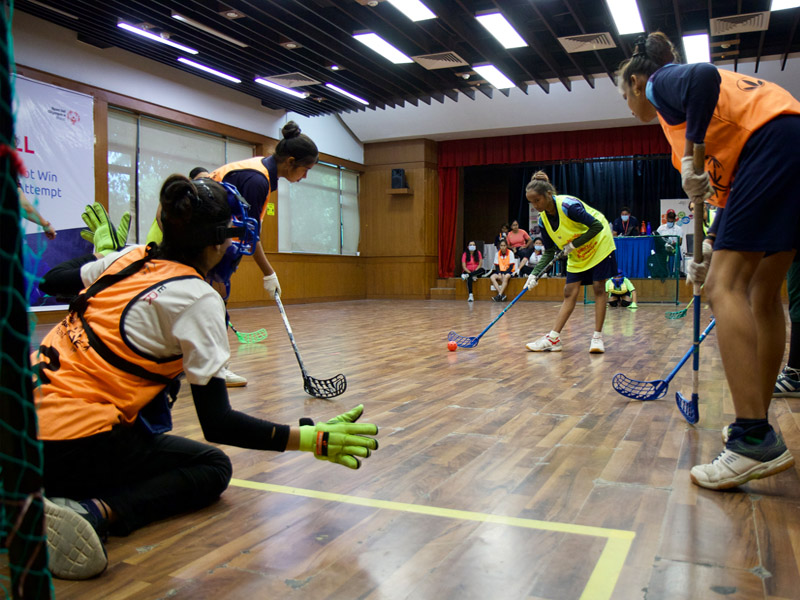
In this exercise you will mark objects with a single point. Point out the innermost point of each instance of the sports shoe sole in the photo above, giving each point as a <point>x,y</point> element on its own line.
<point>229,383</point>
<point>759,471</point>
<point>551,349</point>
<point>73,546</point>
<point>786,394</point>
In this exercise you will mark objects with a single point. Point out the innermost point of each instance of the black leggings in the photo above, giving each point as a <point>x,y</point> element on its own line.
<point>142,477</point>
<point>473,276</point>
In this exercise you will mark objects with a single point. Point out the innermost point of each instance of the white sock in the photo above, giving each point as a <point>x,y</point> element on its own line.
<point>597,334</point>
<point>554,335</point>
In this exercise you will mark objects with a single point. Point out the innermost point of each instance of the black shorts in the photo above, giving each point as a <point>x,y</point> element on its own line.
<point>605,269</point>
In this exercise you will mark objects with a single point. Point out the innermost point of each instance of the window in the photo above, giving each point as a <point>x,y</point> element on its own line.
<point>143,152</point>
<point>319,215</point>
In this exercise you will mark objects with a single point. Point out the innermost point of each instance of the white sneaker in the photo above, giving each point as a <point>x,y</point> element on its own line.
<point>470,299</point>
<point>74,548</point>
<point>234,380</point>
<point>731,469</point>
<point>597,346</point>
<point>544,344</point>
<point>464,276</point>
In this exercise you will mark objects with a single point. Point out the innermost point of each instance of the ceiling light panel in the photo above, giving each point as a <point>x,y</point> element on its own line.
<point>496,24</point>
<point>626,16</point>
<point>280,88</point>
<point>197,65</point>
<point>382,47</point>
<point>346,93</point>
<point>154,37</point>
<point>493,75</point>
<point>413,9</point>
<point>695,48</point>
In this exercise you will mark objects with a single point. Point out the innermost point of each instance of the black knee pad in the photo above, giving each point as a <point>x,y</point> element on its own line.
<point>625,303</point>
<point>614,302</point>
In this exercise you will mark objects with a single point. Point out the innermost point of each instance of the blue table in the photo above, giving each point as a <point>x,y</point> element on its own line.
<point>633,253</point>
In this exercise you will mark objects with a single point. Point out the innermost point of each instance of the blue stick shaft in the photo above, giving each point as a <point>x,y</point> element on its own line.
<point>691,350</point>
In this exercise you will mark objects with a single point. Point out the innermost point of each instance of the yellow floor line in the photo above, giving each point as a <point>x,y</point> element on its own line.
<point>604,575</point>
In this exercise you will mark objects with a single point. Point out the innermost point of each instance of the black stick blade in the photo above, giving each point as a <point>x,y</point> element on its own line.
<point>325,388</point>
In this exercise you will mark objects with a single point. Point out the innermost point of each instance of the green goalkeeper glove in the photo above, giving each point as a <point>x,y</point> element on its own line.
<point>341,440</point>
<point>102,233</point>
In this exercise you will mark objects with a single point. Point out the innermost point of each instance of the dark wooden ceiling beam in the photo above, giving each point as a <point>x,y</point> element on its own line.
<point>791,37</point>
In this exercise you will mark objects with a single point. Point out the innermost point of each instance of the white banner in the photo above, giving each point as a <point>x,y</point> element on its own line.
<point>54,133</point>
<point>55,138</point>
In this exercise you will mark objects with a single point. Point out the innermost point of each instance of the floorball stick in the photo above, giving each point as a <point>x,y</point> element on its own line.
<point>653,390</point>
<point>470,342</point>
<point>319,388</point>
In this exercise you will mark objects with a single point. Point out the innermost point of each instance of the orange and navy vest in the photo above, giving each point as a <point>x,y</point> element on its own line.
<point>109,381</point>
<point>745,104</point>
<point>253,164</point>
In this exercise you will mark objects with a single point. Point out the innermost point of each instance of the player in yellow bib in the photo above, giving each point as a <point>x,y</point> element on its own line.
<point>583,233</point>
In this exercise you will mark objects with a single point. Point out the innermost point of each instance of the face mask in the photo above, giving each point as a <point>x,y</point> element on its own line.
<point>539,248</point>
<point>624,217</point>
<point>471,248</point>
<point>670,224</point>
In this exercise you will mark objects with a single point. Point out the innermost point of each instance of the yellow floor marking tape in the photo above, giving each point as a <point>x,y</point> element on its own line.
<point>601,582</point>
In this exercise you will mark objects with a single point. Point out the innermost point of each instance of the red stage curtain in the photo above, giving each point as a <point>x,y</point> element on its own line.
<point>448,204</point>
<point>549,147</point>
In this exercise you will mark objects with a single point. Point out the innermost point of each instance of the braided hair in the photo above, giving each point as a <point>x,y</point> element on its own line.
<point>649,55</point>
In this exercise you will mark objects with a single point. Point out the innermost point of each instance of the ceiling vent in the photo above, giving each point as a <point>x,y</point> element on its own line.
<point>587,42</point>
<point>758,21</point>
<point>440,60</point>
<point>292,80</point>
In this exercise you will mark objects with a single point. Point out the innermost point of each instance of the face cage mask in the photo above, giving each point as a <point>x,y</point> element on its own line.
<point>241,246</point>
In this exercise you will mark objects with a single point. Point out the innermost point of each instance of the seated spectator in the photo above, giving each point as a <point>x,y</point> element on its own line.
<point>621,292</point>
<point>501,236</point>
<point>529,257</point>
<point>471,262</point>
<point>625,224</point>
<point>517,238</point>
<point>671,228</point>
<point>503,270</point>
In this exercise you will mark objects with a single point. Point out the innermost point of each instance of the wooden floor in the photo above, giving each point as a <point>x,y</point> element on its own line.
<point>501,474</point>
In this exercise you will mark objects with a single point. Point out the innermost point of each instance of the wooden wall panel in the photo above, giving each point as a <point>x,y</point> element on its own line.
<point>406,277</point>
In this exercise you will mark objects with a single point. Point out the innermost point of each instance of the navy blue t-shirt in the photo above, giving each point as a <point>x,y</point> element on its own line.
<point>253,186</point>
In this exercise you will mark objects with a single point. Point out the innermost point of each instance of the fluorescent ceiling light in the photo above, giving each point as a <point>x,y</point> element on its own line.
<point>55,10</point>
<point>501,29</point>
<point>207,29</point>
<point>413,9</point>
<point>154,37</point>
<point>626,16</point>
<point>280,88</point>
<point>345,93</point>
<point>695,47</point>
<point>191,63</point>
<point>491,74</point>
<point>784,4</point>
<point>382,47</point>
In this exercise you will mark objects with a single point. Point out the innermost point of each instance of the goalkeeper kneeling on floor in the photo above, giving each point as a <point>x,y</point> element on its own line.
<point>106,379</point>
<point>621,292</point>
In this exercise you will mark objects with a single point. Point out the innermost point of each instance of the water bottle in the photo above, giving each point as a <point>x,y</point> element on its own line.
<point>643,229</point>
<point>649,231</point>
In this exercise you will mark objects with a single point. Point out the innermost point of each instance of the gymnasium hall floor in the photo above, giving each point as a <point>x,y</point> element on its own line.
<point>501,474</point>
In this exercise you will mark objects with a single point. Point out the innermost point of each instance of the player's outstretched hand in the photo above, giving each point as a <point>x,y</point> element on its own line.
<point>532,282</point>
<point>102,233</point>
<point>341,440</point>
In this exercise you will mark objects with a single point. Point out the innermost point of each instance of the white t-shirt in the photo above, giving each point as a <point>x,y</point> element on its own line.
<point>187,317</point>
<point>677,230</point>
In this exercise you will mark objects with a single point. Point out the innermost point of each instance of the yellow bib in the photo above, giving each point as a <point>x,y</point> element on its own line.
<point>592,252</point>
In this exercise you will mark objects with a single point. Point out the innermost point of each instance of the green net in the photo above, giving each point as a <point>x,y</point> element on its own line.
<point>23,552</point>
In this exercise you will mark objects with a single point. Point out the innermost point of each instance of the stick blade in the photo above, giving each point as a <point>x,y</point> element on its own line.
<point>461,340</point>
<point>325,388</point>
<point>676,314</point>
<point>639,390</point>
<point>252,338</point>
<point>689,408</point>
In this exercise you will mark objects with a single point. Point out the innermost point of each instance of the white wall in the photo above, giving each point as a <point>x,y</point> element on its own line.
<point>42,45</point>
<point>536,112</point>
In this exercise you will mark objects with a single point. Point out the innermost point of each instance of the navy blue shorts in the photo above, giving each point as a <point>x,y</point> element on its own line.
<point>763,209</point>
<point>605,269</point>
